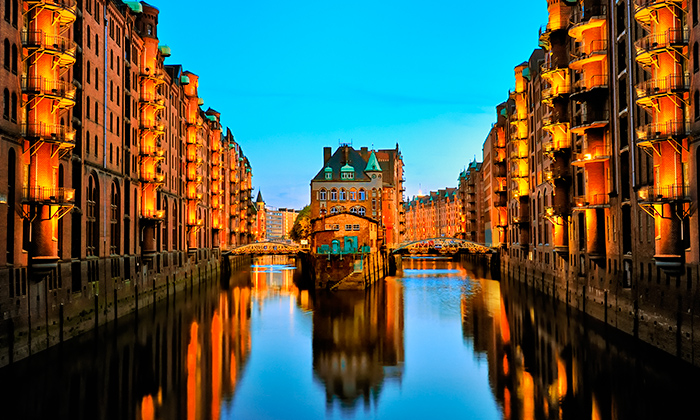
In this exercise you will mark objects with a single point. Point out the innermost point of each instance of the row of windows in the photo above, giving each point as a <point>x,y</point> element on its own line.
<point>11,12</point>
<point>340,209</point>
<point>343,194</point>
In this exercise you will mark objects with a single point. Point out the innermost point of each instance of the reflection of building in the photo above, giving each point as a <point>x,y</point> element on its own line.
<point>358,342</point>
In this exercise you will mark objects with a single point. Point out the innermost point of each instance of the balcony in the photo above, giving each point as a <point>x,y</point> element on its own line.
<point>556,91</point>
<point>590,84</point>
<point>665,194</point>
<point>521,220</point>
<point>149,126</point>
<point>591,201</point>
<point>590,120</point>
<point>153,215</point>
<point>50,133</point>
<point>501,199</point>
<point>152,99</point>
<point>66,10</point>
<point>61,92</point>
<point>590,52</point>
<point>518,154</point>
<point>552,121</point>
<point>650,90</point>
<point>657,132</point>
<point>43,195</point>
<point>653,44</point>
<point>61,48</point>
<point>157,75</point>
<point>556,172</point>
<point>643,8</point>
<point>587,18</point>
<point>555,211</point>
<point>153,152</point>
<point>592,154</point>
<point>551,147</point>
<point>152,178</point>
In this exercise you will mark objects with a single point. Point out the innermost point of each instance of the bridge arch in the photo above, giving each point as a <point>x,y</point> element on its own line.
<point>267,247</point>
<point>442,245</point>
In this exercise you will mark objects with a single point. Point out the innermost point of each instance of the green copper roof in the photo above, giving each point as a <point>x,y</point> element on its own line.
<point>526,73</point>
<point>327,169</point>
<point>211,118</point>
<point>135,6</point>
<point>185,80</point>
<point>164,50</point>
<point>347,168</point>
<point>372,163</point>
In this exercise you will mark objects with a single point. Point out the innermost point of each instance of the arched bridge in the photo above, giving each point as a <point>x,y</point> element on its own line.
<point>268,248</point>
<point>442,246</point>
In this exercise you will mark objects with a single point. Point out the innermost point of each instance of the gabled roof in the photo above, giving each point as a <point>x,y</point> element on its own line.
<point>344,156</point>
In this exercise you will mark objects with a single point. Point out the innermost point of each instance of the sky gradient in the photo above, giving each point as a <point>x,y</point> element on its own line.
<point>292,77</point>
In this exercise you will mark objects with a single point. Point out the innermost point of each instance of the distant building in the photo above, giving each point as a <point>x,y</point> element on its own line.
<point>260,218</point>
<point>434,215</point>
<point>279,222</point>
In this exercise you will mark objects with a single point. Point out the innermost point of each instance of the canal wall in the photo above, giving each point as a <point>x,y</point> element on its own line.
<point>345,272</point>
<point>48,314</point>
<point>656,307</point>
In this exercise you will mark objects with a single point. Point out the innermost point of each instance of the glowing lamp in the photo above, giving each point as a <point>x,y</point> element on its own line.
<point>69,194</point>
<point>587,156</point>
<point>643,194</point>
<point>160,214</point>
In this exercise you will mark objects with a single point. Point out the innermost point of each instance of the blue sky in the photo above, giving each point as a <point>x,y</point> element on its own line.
<point>292,77</point>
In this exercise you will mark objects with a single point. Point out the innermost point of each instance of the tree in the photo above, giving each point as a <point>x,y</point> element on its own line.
<point>302,225</point>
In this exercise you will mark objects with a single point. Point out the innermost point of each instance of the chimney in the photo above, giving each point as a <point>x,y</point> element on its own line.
<point>364,153</point>
<point>326,155</point>
<point>346,155</point>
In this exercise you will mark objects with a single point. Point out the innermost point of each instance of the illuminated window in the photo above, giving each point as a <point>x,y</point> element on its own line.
<point>353,195</point>
<point>362,195</point>
<point>342,194</point>
<point>334,195</point>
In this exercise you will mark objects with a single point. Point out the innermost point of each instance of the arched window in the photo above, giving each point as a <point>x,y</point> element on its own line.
<point>334,195</point>
<point>114,233</point>
<point>164,226</point>
<point>322,194</point>
<point>97,117</point>
<point>89,40</point>
<point>15,6</point>
<point>6,54</point>
<point>87,108</point>
<point>337,209</point>
<point>696,104</point>
<point>87,142</point>
<point>96,140</point>
<point>11,180</point>
<point>6,104</point>
<point>362,196</point>
<point>358,210</point>
<point>8,10</point>
<point>111,152</point>
<point>14,58</point>
<point>91,217</point>
<point>353,195</point>
<point>13,105</point>
<point>696,58</point>
<point>342,194</point>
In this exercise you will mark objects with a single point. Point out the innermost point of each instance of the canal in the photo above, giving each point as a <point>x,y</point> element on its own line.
<point>438,341</point>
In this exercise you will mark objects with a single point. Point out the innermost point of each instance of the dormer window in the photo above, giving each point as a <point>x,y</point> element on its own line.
<point>347,172</point>
<point>328,173</point>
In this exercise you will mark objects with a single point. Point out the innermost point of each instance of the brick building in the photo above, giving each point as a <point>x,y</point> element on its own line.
<point>115,174</point>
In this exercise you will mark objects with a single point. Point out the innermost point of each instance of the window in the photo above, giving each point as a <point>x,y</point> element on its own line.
<point>353,195</point>
<point>97,45</point>
<point>322,195</point>
<point>6,54</point>
<point>696,104</point>
<point>6,104</point>
<point>97,79</point>
<point>87,108</point>
<point>111,122</point>
<point>87,74</point>
<point>329,175</point>
<point>97,117</point>
<point>342,194</point>
<point>118,94</point>
<point>14,58</point>
<point>89,36</point>
<point>358,210</point>
<point>337,209</point>
<point>111,59</point>
<point>111,150</point>
<point>96,140</point>
<point>114,221</point>
<point>92,234</point>
<point>334,195</point>
<point>347,175</point>
<point>87,143</point>
<point>111,91</point>
<point>696,58</point>
<point>8,11</point>
<point>13,104</point>
<point>356,227</point>
<point>348,227</point>
<point>362,196</point>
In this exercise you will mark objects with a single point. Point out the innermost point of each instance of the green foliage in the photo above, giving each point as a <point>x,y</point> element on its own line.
<point>302,225</point>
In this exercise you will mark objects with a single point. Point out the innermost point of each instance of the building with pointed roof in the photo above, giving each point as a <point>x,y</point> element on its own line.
<point>357,182</point>
<point>260,228</point>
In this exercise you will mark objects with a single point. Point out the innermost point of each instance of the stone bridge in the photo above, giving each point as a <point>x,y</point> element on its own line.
<point>442,245</point>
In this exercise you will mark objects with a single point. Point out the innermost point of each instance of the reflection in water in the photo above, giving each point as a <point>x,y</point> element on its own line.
<point>441,341</point>
<point>358,343</point>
